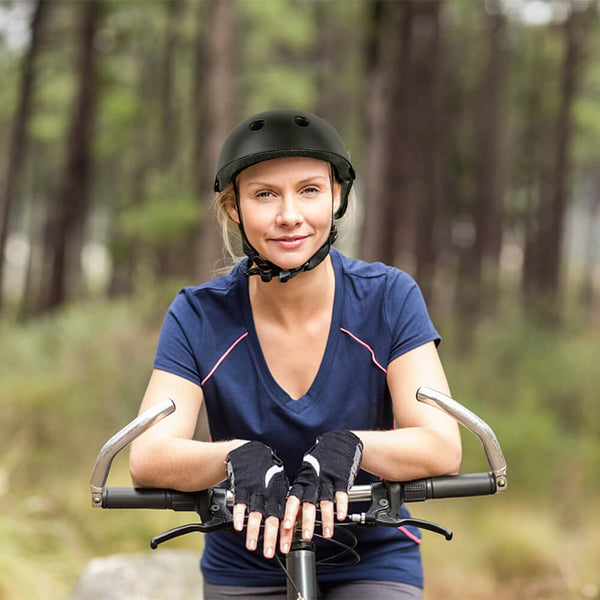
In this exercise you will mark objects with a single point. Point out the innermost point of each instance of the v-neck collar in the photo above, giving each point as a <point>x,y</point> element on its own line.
<point>334,333</point>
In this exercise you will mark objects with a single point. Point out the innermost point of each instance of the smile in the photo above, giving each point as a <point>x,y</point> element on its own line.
<point>290,242</point>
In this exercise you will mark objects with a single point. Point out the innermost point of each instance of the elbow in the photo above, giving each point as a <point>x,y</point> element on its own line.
<point>455,462</point>
<point>142,471</point>
<point>137,475</point>
<point>453,457</point>
<point>447,458</point>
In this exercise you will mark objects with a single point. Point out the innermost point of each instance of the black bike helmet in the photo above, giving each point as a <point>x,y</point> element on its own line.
<point>281,133</point>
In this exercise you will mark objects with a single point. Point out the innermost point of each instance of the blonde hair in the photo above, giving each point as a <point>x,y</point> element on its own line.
<point>230,231</point>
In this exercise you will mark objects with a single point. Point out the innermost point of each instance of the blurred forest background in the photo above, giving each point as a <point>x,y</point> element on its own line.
<point>474,127</point>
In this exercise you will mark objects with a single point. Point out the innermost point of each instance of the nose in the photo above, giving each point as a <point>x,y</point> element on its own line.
<point>289,214</point>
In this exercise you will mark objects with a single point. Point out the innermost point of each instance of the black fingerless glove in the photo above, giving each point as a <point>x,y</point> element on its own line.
<point>329,466</point>
<point>257,479</point>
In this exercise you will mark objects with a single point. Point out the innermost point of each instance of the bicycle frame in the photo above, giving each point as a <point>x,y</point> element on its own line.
<point>386,497</point>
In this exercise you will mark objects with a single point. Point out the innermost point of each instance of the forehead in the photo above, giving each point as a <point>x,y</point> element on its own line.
<point>287,168</point>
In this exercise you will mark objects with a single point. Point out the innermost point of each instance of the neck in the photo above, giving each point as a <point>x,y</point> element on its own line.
<point>305,294</point>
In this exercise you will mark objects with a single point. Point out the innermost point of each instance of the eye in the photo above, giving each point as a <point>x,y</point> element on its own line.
<point>311,190</point>
<point>263,194</point>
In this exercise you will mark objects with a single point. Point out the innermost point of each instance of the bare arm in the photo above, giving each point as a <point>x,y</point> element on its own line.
<point>167,455</point>
<point>426,441</point>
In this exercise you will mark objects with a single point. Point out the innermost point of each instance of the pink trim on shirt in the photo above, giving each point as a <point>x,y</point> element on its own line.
<point>223,358</point>
<point>367,347</point>
<point>412,536</point>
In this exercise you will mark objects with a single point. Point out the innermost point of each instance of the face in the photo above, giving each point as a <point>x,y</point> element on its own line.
<point>286,206</point>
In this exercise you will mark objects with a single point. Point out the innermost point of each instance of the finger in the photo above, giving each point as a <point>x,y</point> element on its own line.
<point>291,513</point>
<point>341,501</point>
<point>239,512</point>
<point>327,517</point>
<point>270,536</point>
<point>309,512</point>
<point>253,530</point>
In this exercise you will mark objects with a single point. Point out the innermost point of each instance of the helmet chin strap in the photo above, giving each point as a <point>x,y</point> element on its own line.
<point>268,270</point>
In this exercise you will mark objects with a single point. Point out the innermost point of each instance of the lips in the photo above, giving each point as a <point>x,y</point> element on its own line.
<point>290,242</point>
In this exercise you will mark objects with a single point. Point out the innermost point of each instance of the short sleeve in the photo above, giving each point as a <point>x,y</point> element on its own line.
<point>174,352</point>
<point>407,315</point>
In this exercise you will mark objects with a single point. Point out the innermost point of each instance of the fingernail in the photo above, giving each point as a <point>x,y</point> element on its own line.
<point>286,548</point>
<point>306,534</point>
<point>287,524</point>
<point>269,552</point>
<point>251,544</point>
<point>327,532</point>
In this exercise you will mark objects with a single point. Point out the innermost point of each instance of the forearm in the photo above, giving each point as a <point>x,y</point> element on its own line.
<point>410,453</point>
<point>181,464</point>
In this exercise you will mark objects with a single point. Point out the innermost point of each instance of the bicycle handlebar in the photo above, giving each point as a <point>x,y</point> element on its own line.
<point>451,486</point>
<point>385,497</point>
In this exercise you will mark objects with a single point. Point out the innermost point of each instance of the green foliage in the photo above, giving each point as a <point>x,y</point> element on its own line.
<point>586,111</point>
<point>167,214</point>
<point>278,33</point>
<point>66,384</point>
<point>537,388</point>
<point>56,90</point>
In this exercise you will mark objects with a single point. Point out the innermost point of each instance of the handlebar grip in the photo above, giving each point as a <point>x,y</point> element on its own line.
<point>160,499</point>
<point>450,486</point>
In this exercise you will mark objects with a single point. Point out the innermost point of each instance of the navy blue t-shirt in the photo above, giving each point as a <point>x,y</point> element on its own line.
<point>208,337</point>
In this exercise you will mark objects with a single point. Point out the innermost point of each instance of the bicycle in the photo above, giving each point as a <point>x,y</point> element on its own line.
<point>386,498</point>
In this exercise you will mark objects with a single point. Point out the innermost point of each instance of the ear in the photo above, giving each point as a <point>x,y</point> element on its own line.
<point>233,212</point>
<point>337,196</point>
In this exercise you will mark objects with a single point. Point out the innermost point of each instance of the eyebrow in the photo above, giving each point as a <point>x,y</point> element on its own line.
<point>306,180</point>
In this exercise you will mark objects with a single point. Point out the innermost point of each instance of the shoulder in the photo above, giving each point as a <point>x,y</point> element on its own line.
<point>218,289</point>
<point>375,277</point>
<point>216,303</point>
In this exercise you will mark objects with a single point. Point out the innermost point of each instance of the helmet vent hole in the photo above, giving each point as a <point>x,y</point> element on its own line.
<point>257,125</point>
<point>301,121</point>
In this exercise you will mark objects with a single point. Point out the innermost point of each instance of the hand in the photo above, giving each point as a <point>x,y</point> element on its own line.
<point>259,484</point>
<point>327,473</point>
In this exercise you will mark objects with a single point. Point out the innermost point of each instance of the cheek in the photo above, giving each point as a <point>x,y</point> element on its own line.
<point>255,217</point>
<point>320,216</point>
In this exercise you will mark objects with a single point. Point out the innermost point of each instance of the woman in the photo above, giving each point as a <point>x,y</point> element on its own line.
<point>308,363</point>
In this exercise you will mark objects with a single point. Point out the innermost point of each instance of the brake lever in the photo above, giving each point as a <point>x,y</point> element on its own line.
<point>214,514</point>
<point>385,506</point>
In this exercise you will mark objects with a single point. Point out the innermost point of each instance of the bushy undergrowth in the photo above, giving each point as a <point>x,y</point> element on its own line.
<point>68,382</point>
<point>538,390</point>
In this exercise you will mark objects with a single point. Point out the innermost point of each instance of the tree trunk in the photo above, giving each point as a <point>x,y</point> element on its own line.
<point>215,77</point>
<point>385,123</point>
<point>172,257</point>
<point>553,230</point>
<point>592,246</point>
<point>20,138</point>
<point>533,170</point>
<point>479,262</point>
<point>427,140</point>
<point>169,124</point>
<point>65,220</point>
<point>552,214</point>
<point>401,224</point>
<point>489,215</point>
